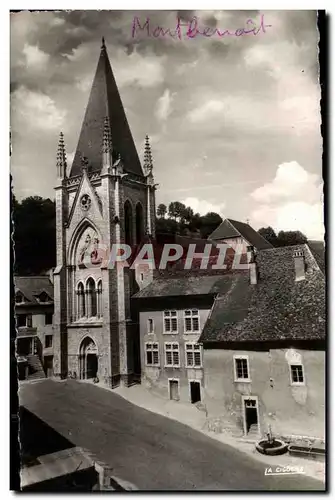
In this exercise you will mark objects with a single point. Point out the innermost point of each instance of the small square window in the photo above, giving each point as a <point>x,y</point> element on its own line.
<point>241,369</point>
<point>191,321</point>
<point>170,322</point>
<point>172,355</point>
<point>297,374</point>
<point>48,341</point>
<point>152,354</point>
<point>193,356</point>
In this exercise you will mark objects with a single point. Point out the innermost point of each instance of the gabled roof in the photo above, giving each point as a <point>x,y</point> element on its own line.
<point>230,228</point>
<point>32,286</point>
<point>276,308</point>
<point>181,286</point>
<point>105,101</point>
<point>182,268</point>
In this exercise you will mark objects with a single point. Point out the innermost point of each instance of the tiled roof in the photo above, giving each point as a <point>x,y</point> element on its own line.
<point>276,308</point>
<point>230,228</point>
<point>178,266</point>
<point>32,286</point>
<point>318,250</point>
<point>181,286</point>
<point>105,100</point>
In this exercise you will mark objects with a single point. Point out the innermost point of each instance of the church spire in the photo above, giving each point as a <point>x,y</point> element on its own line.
<point>104,100</point>
<point>61,158</point>
<point>147,164</point>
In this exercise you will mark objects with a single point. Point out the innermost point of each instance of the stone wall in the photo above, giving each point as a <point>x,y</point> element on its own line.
<point>156,379</point>
<point>287,408</point>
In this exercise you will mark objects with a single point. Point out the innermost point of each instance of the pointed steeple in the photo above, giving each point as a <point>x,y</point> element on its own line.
<point>61,158</point>
<point>105,101</point>
<point>147,163</point>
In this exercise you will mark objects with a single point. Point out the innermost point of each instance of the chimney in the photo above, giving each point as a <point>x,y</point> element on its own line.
<point>299,265</point>
<point>252,265</point>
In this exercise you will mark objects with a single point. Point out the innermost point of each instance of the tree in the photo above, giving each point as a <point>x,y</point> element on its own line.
<point>161,210</point>
<point>187,214</point>
<point>269,234</point>
<point>176,210</point>
<point>34,235</point>
<point>288,238</point>
<point>195,222</point>
<point>166,226</point>
<point>209,222</point>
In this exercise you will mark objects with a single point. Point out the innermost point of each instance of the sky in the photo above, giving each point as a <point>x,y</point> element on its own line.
<point>234,122</point>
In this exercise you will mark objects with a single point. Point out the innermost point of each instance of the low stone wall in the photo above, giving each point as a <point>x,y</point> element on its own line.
<point>308,441</point>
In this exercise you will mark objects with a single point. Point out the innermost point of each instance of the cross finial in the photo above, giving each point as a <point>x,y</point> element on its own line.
<point>103,46</point>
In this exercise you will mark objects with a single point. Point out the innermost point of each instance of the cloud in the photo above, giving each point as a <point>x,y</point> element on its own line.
<point>292,216</point>
<point>206,111</point>
<point>35,57</point>
<point>84,83</point>
<point>164,106</point>
<point>203,207</point>
<point>36,110</point>
<point>57,21</point>
<point>291,181</point>
<point>247,111</point>
<point>292,201</point>
<point>144,71</point>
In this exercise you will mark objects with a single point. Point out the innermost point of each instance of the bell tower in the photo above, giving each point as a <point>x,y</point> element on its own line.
<point>106,198</point>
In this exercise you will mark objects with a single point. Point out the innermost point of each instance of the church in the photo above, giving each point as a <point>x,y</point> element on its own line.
<point>247,345</point>
<point>106,198</point>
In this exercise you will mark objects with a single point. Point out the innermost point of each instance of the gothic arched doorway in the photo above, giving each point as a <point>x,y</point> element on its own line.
<point>128,223</point>
<point>88,359</point>
<point>139,223</point>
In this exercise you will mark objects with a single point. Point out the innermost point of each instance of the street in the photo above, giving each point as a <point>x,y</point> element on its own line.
<point>148,450</point>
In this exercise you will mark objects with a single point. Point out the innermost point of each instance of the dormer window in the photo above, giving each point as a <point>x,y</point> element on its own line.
<point>19,298</point>
<point>43,297</point>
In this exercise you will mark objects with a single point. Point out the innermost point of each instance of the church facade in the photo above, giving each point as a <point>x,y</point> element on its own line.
<point>106,198</point>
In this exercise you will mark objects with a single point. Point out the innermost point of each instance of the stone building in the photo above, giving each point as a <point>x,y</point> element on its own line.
<point>34,325</point>
<point>250,345</point>
<point>233,233</point>
<point>173,307</point>
<point>264,348</point>
<point>104,199</point>
<point>172,313</point>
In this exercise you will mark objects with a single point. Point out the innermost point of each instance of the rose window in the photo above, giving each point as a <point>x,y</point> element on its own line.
<point>85,202</point>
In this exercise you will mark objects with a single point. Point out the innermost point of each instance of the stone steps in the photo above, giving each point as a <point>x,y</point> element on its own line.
<point>35,367</point>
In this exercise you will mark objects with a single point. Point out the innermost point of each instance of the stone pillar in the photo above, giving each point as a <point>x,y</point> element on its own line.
<point>60,367</point>
<point>88,308</point>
